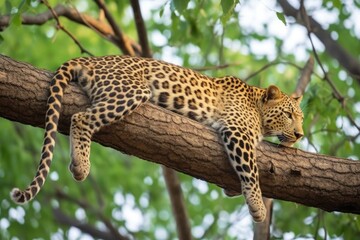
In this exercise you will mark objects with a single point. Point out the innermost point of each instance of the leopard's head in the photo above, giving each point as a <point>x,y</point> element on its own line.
<point>281,116</point>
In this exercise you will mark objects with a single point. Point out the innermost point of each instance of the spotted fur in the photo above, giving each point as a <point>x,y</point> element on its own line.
<point>117,85</point>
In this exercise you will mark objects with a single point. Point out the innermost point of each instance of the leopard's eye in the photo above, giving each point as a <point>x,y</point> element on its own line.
<point>288,114</point>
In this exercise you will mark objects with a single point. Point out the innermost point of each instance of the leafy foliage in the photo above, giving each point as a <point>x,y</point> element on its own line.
<point>281,17</point>
<point>194,34</point>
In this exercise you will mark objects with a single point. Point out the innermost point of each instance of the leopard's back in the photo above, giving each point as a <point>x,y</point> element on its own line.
<point>175,88</point>
<point>183,91</point>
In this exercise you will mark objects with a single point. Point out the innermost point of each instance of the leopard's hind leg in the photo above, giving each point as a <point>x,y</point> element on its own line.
<point>117,103</point>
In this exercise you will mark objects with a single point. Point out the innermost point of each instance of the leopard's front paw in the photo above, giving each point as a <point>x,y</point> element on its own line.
<point>257,210</point>
<point>79,171</point>
<point>255,203</point>
<point>80,165</point>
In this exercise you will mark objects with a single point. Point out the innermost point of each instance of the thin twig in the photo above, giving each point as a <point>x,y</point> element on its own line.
<point>98,193</point>
<point>270,64</point>
<point>305,78</point>
<point>216,67</point>
<point>62,218</point>
<point>61,27</point>
<point>61,195</point>
<point>211,227</point>
<point>221,47</point>
<point>346,139</point>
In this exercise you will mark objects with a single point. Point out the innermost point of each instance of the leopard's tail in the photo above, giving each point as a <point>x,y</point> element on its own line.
<point>58,83</point>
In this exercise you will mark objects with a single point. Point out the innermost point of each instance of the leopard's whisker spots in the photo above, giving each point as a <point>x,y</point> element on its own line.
<point>117,85</point>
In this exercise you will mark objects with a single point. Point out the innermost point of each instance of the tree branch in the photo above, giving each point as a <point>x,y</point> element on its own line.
<point>62,218</point>
<point>305,78</point>
<point>99,26</point>
<point>141,29</point>
<point>266,66</point>
<point>177,203</point>
<point>62,28</point>
<point>262,230</point>
<point>334,49</point>
<point>163,137</point>
<point>124,45</point>
<point>96,210</point>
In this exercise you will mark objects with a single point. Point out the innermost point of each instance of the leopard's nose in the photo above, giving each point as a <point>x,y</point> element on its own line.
<point>298,135</point>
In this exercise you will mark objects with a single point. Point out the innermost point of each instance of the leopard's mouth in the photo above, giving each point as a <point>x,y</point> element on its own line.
<point>286,141</point>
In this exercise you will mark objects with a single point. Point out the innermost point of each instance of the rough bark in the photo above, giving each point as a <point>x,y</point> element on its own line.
<point>152,133</point>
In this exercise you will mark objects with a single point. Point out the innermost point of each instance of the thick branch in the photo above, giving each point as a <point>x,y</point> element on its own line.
<point>163,137</point>
<point>334,49</point>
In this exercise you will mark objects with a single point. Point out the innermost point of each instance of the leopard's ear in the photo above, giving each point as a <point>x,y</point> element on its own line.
<point>272,93</point>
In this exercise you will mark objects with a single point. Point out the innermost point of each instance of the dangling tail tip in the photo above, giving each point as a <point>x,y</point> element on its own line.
<point>17,196</point>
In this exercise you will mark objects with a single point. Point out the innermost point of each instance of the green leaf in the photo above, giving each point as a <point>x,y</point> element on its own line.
<point>8,7</point>
<point>228,5</point>
<point>227,8</point>
<point>161,12</point>
<point>281,17</point>
<point>16,19</point>
<point>337,4</point>
<point>21,5</point>
<point>165,5</point>
<point>180,5</point>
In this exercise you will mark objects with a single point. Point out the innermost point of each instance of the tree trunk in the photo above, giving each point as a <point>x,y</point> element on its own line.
<point>262,230</point>
<point>160,136</point>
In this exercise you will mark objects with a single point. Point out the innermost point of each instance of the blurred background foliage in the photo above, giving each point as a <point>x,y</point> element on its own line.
<point>127,195</point>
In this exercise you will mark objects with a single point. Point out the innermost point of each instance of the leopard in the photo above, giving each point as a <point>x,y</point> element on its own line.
<point>117,85</point>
